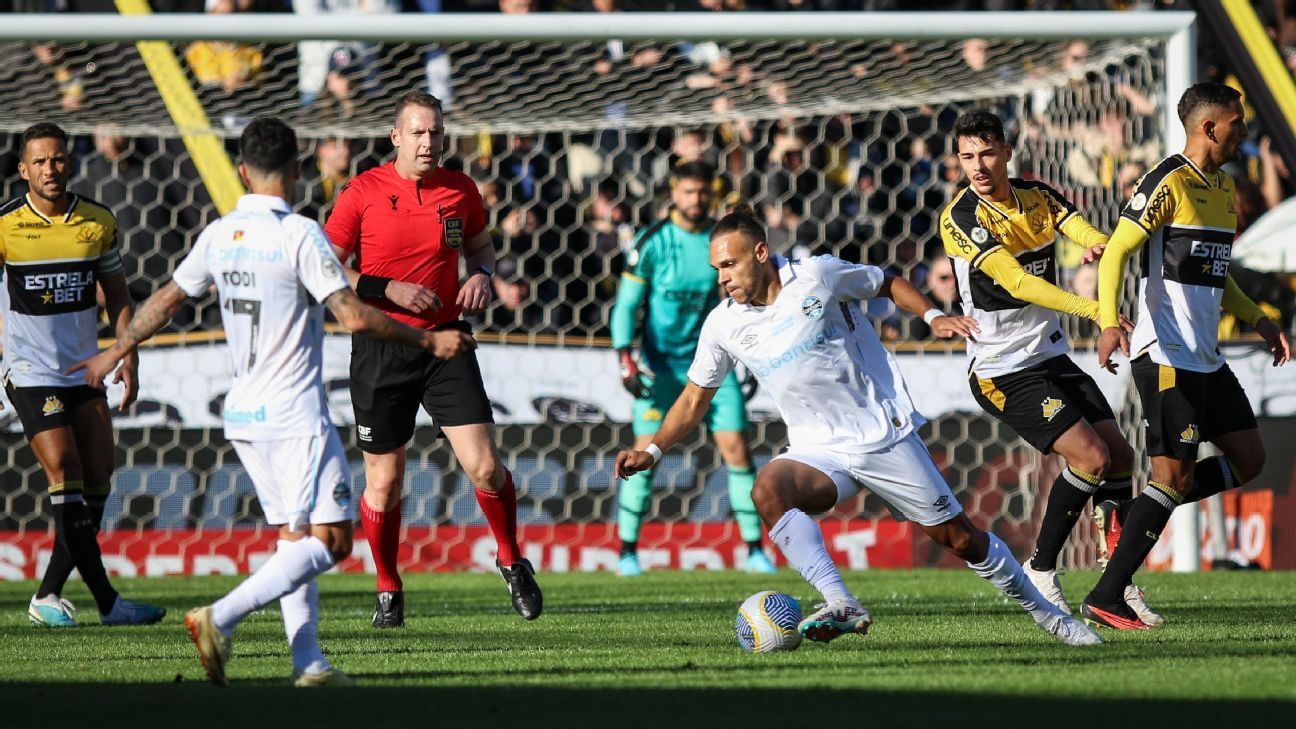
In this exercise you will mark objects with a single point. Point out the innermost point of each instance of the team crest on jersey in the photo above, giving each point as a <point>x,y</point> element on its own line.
<point>238,235</point>
<point>342,495</point>
<point>980,235</point>
<point>812,307</point>
<point>453,232</point>
<point>652,415</point>
<point>52,406</point>
<point>1052,406</point>
<point>87,235</point>
<point>1190,434</point>
<point>1138,202</point>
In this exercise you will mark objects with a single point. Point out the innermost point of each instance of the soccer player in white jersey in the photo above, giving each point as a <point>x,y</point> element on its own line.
<point>798,326</point>
<point>271,269</point>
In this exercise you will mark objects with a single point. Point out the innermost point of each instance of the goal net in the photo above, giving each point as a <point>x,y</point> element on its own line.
<point>842,145</point>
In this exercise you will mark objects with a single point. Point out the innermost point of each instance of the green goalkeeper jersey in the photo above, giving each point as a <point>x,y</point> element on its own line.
<point>669,270</point>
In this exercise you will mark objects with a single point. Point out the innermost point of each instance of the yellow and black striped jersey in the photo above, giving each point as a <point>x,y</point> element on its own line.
<point>1188,220</point>
<point>51,268</point>
<point>1005,263</point>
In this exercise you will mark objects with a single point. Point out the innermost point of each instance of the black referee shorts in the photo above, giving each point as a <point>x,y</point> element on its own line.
<point>1043,402</point>
<point>389,381</point>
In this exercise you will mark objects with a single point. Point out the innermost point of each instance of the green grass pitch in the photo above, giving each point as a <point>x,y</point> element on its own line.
<point>660,651</point>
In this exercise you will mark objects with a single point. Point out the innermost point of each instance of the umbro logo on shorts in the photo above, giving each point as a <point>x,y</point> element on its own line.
<point>941,503</point>
<point>342,494</point>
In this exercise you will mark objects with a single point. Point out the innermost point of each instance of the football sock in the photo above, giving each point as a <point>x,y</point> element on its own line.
<point>1003,571</point>
<point>629,548</point>
<point>1211,476</point>
<point>300,610</point>
<point>293,564</point>
<point>75,530</point>
<point>60,565</point>
<point>500,508</point>
<point>1139,533</point>
<point>1116,487</point>
<point>1066,502</point>
<point>801,541</point>
<point>632,503</point>
<point>741,481</point>
<point>382,530</point>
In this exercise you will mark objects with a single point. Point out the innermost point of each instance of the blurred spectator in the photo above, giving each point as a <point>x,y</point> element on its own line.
<point>324,177</point>
<point>436,63</point>
<point>69,80</point>
<point>338,69</point>
<point>225,65</point>
<point>943,287</point>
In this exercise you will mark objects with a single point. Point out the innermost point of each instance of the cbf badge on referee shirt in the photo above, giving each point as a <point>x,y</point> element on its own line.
<point>453,232</point>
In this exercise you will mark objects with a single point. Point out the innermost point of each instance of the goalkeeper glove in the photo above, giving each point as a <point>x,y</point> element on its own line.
<point>631,375</point>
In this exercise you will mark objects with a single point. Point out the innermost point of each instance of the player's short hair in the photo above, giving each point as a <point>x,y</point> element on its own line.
<point>742,219</point>
<point>979,124</point>
<point>695,170</point>
<point>415,98</point>
<point>1206,95</point>
<point>268,145</point>
<point>43,130</point>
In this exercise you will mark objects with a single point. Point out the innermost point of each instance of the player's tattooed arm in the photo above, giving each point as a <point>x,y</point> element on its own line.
<point>909,298</point>
<point>361,318</point>
<point>153,314</point>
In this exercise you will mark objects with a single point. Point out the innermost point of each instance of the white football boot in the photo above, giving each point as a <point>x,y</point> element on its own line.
<point>1046,581</point>
<point>835,619</point>
<point>1134,598</point>
<point>1070,630</point>
<point>328,677</point>
<point>214,648</point>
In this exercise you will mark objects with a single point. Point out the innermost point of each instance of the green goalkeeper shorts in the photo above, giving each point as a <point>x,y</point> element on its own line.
<point>728,409</point>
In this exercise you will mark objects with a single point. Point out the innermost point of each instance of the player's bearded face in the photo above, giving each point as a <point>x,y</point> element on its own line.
<point>692,198</point>
<point>419,139</point>
<point>736,259</point>
<point>985,163</point>
<point>46,168</point>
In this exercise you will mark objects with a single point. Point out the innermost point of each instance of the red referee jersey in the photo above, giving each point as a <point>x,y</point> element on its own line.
<point>409,230</point>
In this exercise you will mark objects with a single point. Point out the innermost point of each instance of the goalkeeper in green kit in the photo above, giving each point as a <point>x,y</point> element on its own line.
<point>669,274</point>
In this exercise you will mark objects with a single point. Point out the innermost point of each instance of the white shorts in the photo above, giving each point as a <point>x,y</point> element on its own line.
<point>299,481</point>
<point>903,476</point>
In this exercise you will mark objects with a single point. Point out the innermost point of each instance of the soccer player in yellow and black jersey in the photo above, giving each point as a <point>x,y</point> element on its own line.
<point>56,247</point>
<point>1181,214</point>
<point>1000,234</point>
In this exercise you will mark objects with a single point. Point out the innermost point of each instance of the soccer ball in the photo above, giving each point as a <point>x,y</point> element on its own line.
<point>767,622</point>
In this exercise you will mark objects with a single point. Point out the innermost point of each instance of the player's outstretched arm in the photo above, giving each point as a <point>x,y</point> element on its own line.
<point>153,314</point>
<point>117,301</point>
<point>909,298</point>
<point>360,318</point>
<point>683,417</point>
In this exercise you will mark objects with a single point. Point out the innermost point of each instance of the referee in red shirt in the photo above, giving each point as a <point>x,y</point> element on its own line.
<point>406,224</point>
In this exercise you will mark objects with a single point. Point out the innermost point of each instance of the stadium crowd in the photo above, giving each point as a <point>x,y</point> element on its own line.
<point>565,205</point>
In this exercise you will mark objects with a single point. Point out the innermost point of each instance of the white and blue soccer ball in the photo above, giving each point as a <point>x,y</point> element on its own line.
<point>767,622</point>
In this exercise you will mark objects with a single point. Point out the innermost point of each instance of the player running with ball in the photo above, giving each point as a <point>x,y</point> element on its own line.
<point>799,327</point>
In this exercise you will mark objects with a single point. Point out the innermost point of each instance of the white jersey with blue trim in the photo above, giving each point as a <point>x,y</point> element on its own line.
<point>271,269</point>
<point>813,350</point>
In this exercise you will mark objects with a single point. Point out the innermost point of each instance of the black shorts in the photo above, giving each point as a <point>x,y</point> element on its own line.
<point>45,408</point>
<point>1043,401</point>
<point>389,381</point>
<point>1182,408</point>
